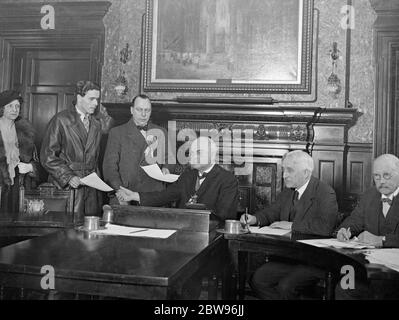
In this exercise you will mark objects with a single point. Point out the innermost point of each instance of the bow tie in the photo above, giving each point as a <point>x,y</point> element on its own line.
<point>387,200</point>
<point>202,176</point>
<point>144,128</point>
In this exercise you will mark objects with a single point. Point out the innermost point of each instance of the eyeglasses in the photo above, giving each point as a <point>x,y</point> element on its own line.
<point>386,176</point>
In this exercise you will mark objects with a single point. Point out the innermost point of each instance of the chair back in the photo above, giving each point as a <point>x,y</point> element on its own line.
<point>46,198</point>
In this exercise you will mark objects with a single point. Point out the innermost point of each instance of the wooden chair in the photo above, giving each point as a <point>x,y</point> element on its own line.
<point>51,199</point>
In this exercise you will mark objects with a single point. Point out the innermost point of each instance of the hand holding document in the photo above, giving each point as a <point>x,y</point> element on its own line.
<point>155,172</point>
<point>94,181</point>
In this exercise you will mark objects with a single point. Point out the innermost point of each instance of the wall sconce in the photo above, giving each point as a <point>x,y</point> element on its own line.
<point>121,83</point>
<point>333,82</point>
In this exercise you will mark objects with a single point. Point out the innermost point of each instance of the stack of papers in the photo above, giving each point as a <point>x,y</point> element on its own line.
<point>269,230</point>
<point>113,229</point>
<point>386,257</point>
<point>335,243</point>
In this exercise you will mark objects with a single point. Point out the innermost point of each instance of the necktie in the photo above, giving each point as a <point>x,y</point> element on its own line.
<point>86,122</point>
<point>294,202</point>
<point>144,128</point>
<point>199,180</point>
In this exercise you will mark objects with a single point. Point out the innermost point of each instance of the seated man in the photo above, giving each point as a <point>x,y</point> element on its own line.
<point>204,182</point>
<point>375,221</point>
<point>308,206</point>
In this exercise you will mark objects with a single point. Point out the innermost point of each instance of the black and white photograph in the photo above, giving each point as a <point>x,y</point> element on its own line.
<point>202,157</point>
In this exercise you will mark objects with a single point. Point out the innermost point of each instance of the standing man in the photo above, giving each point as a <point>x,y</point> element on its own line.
<point>70,148</point>
<point>375,221</point>
<point>134,144</point>
<point>308,206</point>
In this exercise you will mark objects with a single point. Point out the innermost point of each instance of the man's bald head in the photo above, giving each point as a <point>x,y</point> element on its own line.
<point>386,173</point>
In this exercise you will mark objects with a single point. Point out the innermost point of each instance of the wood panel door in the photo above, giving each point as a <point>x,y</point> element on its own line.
<point>49,78</point>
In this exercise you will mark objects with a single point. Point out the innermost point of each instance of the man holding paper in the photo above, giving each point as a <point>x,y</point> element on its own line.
<point>204,182</point>
<point>71,145</point>
<point>375,220</point>
<point>307,205</point>
<point>136,143</point>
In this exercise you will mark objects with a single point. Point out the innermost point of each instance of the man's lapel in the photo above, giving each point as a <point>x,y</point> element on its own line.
<point>78,128</point>
<point>135,138</point>
<point>393,214</point>
<point>93,131</point>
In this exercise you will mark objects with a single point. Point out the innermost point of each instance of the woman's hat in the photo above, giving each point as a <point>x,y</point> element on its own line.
<point>8,96</point>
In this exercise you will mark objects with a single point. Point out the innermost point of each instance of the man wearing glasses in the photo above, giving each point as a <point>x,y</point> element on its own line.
<point>375,221</point>
<point>376,218</point>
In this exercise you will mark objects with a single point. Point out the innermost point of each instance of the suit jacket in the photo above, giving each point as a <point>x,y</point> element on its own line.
<point>365,217</point>
<point>219,192</point>
<point>124,155</point>
<point>67,151</point>
<point>316,211</point>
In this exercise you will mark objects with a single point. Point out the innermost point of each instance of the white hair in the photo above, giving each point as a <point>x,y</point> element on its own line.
<point>205,143</point>
<point>300,158</point>
<point>389,159</point>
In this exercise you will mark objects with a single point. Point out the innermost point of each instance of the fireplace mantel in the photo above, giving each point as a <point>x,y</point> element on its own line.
<point>171,110</point>
<point>276,129</point>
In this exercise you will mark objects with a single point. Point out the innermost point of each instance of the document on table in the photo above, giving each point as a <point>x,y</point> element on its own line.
<point>386,257</point>
<point>352,244</point>
<point>269,230</point>
<point>114,229</point>
<point>155,172</point>
<point>94,181</point>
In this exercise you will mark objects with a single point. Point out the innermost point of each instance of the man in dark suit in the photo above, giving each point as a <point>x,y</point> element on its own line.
<point>70,148</point>
<point>204,182</point>
<point>306,205</point>
<point>375,221</point>
<point>132,145</point>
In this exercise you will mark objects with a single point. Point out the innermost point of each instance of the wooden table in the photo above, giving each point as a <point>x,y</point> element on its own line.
<point>19,226</point>
<point>117,266</point>
<point>329,259</point>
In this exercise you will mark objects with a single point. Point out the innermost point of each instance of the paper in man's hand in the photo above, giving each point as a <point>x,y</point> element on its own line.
<point>155,172</point>
<point>94,181</point>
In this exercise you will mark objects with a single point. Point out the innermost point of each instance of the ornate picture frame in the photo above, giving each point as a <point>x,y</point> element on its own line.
<point>228,46</point>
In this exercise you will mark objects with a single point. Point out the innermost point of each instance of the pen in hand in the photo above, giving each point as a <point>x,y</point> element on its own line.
<point>347,234</point>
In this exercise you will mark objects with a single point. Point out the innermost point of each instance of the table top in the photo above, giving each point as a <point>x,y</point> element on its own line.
<point>83,255</point>
<point>47,219</point>
<point>288,246</point>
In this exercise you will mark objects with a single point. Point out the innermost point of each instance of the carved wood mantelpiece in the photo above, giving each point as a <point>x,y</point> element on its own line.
<point>275,130</point>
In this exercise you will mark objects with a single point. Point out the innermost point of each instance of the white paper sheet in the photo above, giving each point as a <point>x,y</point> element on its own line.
<point>113,229</point>
<point>268,230</point>
<point>386,257</point>
<point>352,244</point>
<point>94,181</point>
<point>155,172</point>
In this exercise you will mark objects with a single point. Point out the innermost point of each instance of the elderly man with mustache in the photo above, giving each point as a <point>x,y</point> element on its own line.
<point>375,221</point>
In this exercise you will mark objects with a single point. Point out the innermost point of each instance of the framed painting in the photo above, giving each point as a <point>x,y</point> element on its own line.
<point>252,46</point>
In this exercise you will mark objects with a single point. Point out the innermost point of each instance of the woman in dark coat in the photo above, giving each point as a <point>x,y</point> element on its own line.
<point>18,156</point>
